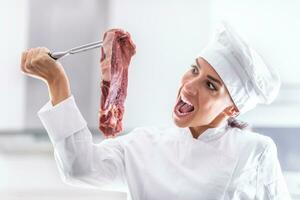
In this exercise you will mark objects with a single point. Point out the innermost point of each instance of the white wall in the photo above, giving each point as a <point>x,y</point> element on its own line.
<point>13,20</point>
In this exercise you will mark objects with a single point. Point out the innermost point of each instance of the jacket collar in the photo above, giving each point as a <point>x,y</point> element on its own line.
<point>209,134</point>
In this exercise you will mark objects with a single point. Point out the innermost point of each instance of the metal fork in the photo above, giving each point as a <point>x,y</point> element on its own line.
<point>60,54</point>
<point>93,45</point>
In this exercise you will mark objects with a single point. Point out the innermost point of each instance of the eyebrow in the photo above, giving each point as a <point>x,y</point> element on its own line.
<point>209,76</point>
<point>197,64</point>
<point>213,79</point>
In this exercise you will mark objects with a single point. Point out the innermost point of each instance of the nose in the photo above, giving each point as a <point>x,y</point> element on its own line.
<point>189,88</point>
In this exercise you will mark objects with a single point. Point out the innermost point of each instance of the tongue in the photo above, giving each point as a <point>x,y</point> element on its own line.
<point>186,108</point>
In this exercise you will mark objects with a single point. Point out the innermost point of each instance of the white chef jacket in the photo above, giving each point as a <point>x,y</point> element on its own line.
<point>165,163</point>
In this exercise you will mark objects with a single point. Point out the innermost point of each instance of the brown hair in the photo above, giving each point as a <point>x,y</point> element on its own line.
<point>235,123</point>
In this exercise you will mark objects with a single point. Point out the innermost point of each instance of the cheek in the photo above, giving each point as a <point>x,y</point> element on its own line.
<point>213,108</point>
<point>205,112</point>
<point>208,107</point>
<point>204,103</point>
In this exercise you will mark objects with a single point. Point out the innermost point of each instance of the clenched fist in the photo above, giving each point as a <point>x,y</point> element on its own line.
<point>38,64</point>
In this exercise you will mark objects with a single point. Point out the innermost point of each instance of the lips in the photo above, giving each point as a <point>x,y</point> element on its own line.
<point>180,103</point>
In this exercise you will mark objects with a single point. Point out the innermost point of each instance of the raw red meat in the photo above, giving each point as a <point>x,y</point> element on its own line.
<point>117,51</point>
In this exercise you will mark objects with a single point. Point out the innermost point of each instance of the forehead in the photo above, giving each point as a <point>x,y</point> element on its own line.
<point>208,68</point>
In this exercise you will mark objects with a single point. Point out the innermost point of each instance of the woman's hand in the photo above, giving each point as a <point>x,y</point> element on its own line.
<point>38,64</point>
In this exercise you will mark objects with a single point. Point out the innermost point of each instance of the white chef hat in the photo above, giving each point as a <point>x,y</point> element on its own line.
<point>249,80</point>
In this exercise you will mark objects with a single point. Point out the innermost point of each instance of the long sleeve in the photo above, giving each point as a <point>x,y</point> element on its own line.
<point>271,183</point>
<point>80,161</point>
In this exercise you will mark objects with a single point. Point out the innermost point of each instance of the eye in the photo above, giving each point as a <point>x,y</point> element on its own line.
<point>211,86</point>
<point>194,68</point>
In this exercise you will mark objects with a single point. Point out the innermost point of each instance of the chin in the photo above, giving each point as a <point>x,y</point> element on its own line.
<point>180,123</point>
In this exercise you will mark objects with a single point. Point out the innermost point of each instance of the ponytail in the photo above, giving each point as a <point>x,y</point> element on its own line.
<point>234,123</point>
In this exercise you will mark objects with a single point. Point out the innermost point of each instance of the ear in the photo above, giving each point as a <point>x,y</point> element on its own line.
<point>231,111</point>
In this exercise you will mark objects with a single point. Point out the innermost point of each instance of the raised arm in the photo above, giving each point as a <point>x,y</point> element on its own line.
<point>79,160</point>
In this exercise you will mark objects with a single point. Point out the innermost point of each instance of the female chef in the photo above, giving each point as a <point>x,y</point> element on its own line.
<point>206,155</point>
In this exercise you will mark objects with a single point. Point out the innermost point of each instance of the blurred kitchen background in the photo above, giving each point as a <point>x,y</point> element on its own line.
<point>168,34</point>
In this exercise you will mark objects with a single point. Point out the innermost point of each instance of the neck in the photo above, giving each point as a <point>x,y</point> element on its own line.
<point>197,131</point>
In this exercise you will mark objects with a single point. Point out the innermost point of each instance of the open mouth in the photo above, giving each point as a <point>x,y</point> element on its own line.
<point>183,107</point>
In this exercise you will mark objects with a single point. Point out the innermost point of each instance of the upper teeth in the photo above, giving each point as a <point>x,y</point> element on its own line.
<point>186,101</point>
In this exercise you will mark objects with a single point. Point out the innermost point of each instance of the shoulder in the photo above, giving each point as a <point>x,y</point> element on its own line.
<point>252,139</point>
<point>251,145</point>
